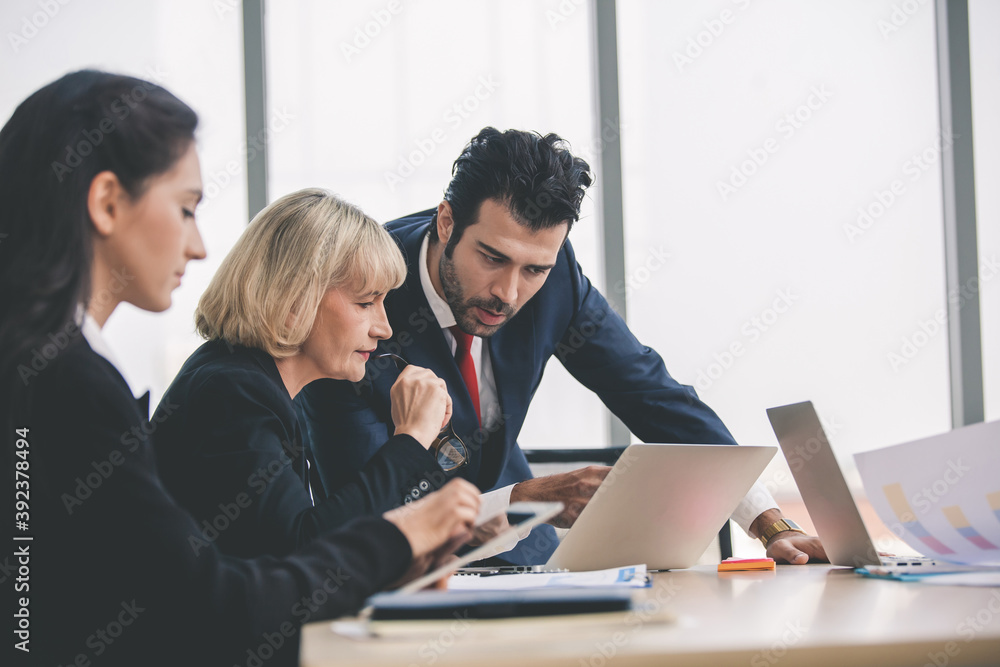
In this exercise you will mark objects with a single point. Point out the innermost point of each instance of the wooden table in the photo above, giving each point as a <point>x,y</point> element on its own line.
<point>799,615</point>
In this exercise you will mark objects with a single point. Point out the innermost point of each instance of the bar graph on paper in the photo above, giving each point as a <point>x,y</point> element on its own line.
<point>901,508</point>
<point>939,494</point>
<point>956,517</point>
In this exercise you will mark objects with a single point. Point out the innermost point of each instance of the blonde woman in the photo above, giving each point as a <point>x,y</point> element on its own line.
<point>298,298</point>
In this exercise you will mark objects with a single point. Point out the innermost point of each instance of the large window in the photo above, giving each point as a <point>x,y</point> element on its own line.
<point>785,156</point>
<point>787,160</point>
<point>782,172</point>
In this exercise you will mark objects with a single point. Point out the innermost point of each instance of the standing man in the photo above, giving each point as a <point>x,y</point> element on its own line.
<point>493,291</point>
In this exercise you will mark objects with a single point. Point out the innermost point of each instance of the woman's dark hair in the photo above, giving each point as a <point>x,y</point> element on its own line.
<point>535,177</point>
<point>51,149</point>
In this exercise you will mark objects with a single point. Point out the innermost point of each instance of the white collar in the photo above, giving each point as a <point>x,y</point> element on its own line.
<point>440,307</point>
<point>92,332</point>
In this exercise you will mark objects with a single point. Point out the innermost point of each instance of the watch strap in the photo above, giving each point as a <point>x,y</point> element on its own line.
<point>779,526</point>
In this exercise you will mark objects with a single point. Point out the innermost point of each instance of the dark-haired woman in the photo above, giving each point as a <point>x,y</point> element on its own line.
<point>113,575</point>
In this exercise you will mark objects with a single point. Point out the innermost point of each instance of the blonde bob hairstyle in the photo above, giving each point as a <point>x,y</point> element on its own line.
<point>267,291</point>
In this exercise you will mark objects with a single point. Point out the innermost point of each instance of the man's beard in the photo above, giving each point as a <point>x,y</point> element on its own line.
<point>463,310</point>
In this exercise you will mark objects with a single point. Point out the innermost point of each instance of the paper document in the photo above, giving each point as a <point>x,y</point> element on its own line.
<point>941,495</point>
<point>633,576</point>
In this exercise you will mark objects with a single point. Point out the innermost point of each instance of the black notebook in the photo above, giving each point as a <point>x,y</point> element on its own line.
<point>435,605</point>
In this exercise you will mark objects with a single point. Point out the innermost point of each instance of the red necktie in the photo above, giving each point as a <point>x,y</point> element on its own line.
<point>467,367</point>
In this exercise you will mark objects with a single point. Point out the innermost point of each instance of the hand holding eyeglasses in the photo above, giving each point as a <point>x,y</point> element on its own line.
<point>447,447</point>
<point>421,406</point>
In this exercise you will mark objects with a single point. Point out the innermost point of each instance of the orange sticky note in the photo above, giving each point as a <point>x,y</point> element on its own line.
<point>737,564</point>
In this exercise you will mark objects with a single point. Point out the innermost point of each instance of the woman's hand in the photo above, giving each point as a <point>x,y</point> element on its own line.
<point>421,405</point>
<point>487,530</point>
<point>436,525</point>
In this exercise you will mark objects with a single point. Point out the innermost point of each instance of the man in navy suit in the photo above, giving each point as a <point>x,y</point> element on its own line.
<point>493,291</point>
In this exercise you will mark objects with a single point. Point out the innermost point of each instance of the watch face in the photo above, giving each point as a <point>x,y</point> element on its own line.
<point>792,524</point>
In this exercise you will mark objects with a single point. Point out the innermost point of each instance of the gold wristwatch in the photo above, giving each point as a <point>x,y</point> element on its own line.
<point>779,526</point>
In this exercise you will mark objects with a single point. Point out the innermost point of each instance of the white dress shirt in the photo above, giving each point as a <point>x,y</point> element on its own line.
<point>91,331</point>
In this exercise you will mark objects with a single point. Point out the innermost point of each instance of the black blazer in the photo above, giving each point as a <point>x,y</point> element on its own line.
<point>113,575</point>
<point>230,449</point>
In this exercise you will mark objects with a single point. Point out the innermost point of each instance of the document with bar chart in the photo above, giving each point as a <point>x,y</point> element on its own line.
<point>941,495</point>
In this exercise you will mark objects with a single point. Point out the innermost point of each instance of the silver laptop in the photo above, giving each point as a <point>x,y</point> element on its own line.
<point>660,505</point>
<point>824,489</point>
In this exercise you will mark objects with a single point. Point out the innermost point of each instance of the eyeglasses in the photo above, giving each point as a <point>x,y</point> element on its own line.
<point>448,448</point>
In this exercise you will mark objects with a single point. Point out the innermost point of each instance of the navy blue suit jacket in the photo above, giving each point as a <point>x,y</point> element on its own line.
<point>567,319</point>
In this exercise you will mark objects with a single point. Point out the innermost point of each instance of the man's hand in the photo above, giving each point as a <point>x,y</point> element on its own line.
<point>789,546</point>
<point>572,489</point>
<point>795,548</point>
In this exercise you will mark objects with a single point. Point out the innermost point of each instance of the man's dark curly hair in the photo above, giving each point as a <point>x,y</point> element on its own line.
<point>536,177</point>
